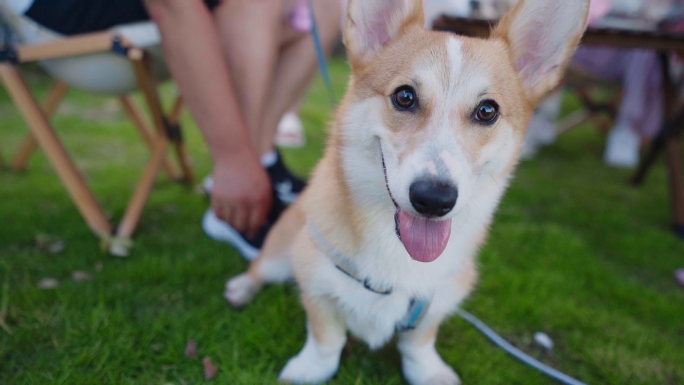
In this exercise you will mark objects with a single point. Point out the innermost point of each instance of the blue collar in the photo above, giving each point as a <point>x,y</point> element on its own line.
<point>417,306</point>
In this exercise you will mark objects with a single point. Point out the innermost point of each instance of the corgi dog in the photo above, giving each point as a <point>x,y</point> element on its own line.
<point>383,241</point>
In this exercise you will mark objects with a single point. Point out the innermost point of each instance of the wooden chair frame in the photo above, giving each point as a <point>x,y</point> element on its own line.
<point>166,130</point>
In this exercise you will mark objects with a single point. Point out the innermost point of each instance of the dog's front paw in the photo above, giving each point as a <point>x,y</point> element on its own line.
<point>241,290</point>
<point>308,369</point>
<point>450,378</point>
<point>430,373</point>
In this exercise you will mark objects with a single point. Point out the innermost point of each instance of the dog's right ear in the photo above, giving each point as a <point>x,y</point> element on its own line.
<point>372,24</point>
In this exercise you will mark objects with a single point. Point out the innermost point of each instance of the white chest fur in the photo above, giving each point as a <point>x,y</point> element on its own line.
<point>384,263</point>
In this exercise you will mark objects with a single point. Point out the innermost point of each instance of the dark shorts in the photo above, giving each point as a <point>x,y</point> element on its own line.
<point>71,17</point>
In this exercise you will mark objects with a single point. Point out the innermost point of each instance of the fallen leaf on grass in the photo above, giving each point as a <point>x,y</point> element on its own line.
<point>191,349</point>
<point>210,370</point>
<point>48,283</point>
<point>45,242</point>
<point>81,276</point>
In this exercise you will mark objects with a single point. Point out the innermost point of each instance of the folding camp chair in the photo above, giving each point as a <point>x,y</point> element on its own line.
<point>115,62</point>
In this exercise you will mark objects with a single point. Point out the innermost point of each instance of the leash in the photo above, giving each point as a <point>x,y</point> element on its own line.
<point>517,353</point>
<point>343,264</point>
<point>418,308</point>
<point>320,56</point>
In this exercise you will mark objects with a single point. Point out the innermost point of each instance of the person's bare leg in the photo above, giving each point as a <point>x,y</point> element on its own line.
<point>242,193</point>
<point>297,65</point>
<point>271,64</point>
<point>250,31</point>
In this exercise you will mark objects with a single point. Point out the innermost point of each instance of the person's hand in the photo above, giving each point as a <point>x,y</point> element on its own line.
<point>241,194</point>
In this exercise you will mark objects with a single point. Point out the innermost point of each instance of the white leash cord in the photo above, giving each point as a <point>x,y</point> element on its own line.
<point>517,353</point>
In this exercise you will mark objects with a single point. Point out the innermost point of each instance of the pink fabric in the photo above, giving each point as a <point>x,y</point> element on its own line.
<point>641,107</point>
<point>300,17</point>
<point>598,9</point>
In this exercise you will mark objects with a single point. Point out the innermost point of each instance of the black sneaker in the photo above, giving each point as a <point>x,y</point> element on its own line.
<point>287,186</point>
<point>249,248</point>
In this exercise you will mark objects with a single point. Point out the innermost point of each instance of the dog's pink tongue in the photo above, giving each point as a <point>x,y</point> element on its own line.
<point>424,239</point>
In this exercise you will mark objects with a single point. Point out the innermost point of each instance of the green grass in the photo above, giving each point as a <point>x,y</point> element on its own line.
<point>573,252</point>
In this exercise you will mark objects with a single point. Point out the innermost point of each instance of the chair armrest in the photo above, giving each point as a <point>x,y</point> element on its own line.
<point>143,34</point>
<point>72,46</point>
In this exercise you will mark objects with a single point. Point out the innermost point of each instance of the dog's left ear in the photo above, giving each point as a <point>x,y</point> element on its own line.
<point>372,24</point>
<point>542,36</point>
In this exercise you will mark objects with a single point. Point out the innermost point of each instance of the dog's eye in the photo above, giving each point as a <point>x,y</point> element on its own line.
<point>404,98</point>
<point>487,112</point>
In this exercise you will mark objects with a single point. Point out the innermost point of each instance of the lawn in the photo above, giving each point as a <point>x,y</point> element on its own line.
<point>574,252</point>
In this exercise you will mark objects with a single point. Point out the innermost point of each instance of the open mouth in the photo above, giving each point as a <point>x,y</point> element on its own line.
<point>424,239</point>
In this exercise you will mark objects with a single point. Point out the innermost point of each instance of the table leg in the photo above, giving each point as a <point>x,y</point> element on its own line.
<point>674,166</point>
<point>667,140</point>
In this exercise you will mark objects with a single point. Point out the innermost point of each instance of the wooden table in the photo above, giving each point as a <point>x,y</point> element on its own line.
<point>667,141</point>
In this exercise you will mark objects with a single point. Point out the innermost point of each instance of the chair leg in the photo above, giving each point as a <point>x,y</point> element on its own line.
<point>179,143</point>
<point>30,144</point>
<point>138,200</point>
<point>45,135</point>
<point>146,133</point>
<point>674,166</point>
<point>148,86</point>
<point>137,203</point>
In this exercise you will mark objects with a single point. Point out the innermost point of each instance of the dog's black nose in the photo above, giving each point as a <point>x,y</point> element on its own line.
<point>433,198</point>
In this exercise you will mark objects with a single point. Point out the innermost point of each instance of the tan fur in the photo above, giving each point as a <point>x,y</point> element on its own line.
<point>425,336</point>
<point>279,240</point>
<point>344,223</point>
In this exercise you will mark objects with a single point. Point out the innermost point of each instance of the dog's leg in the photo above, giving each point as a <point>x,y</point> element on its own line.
<point>318,361</point>
<point>420,361</point>
<point>273,264</point>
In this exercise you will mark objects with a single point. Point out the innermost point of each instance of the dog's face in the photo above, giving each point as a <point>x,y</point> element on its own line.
<point>448,113</point>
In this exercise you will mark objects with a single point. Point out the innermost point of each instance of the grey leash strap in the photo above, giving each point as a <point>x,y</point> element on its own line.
<point>517,353</point>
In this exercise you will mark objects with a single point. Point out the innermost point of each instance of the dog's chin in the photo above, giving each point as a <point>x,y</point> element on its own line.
<point>424,239</point>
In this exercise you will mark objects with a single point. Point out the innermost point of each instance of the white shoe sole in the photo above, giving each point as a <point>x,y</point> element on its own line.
<point>218,230</point>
